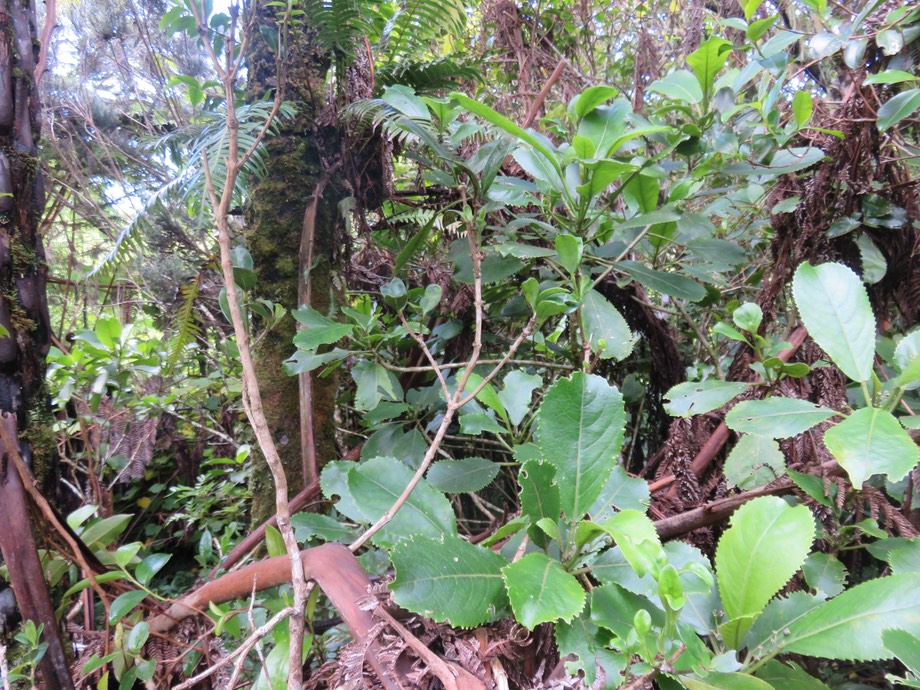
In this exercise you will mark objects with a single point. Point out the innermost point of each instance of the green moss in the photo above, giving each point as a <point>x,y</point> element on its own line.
<point>40,436</point>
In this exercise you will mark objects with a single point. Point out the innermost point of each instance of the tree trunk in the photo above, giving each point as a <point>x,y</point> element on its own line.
<point>303,156</point>
<point>24,315</point>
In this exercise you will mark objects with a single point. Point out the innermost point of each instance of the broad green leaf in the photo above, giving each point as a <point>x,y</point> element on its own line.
<point>517,394</point>
<point>614,608</point>
<point>871,441</point>
<point>874,263</point>
<point>103,532</point>
<point>902,554</point>
<point>448,579</point>
<point>776,417</point>
<point>788,676</point>
<point>318,330</point>
<point>462,476</point>
<point>123,604</point>
<point>907,357</point>
<point>580,430</point>
<point>487,395</point>
<point>779,613</point>
<point>763,548</point>
<point>748,317</point>
<point>783,162</point>
<point>499,120</point>
<point>725,681</point>
<point>302,361</point>
<point>379,482</point>
<point>802,108</point>
<point>150,566</point>
<point>475,423</point>
<point>431,298</point>
<point>310,525</point>
<point>824,573</point>
<point>698,397</point>
<point>890,76</point>
<point>750,7</point>
<point>570,249</point>
<point>636,537</point>
<point>589,99</point>
<point>413,246</point>
<point>374,384</point>
<point>850,626</point>
<point>585,649</point>
<point>602,174</point>
<point>708,59</point>
<point>897,108</point>
<point>604,126</point>
<point>541,591</point>
<point>754,461</point>
<point>537,166</point>
<point>680,85</point>
<point>666,283</point>
<point>906,648</point>
<point>621,492</point>
<point>404,99</point>
<point>539,494</point>
<point>333,480</point>
<point>605,327</point>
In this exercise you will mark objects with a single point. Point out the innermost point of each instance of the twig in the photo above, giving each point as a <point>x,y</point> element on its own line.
<point>544,92</point>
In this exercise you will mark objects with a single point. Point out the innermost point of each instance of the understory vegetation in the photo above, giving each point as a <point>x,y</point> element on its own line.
<point>436,344</point>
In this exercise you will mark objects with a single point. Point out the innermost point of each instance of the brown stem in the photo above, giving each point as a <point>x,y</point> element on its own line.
<point>538,101</point>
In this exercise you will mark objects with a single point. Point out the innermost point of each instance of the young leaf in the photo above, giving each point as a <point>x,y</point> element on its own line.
<point>871,441</point>
<point>907,357</point>
<point>604,325</point>
<point>699,397</point>
<point>776,417</point>
<point>448,579</point>
<point>517,394</point>
<point>541,591</point>
<point>802,108</point>
<point>708,59</point>
<point>124,604</point>
<point>680,85</point>
<point>850,626</point>
<point>897,108</point>
<point>462,476</point>
<point>581,424</point>
<point>588,100</point>
<point>763,548</point>
<point>835,308</point>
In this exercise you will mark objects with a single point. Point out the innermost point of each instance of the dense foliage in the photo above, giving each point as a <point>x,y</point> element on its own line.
<point>615,305</point>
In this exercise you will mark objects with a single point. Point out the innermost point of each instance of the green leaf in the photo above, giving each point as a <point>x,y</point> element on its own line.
<point>680,85</point>
<point>374,384</point>
<point>776,417</point>
<point>698,397</point>
<point>890,76</point>
<point>570,249</point>
<point>750,7</point>
<point>707,60</point>
<point>137,638</point>
<point>588,100</point>
<point>783,162</point>
<point>310,525</point>
<point>622,492</point>
<point>666,283</point>
<point>448,579</point>
<point>431,298</point>
<point>825,574</point>
<point>605,326</point>
<point>318,329</point>
<point>379,482</point>
<point>636,537</point>
<point>897,108</point>
<point>585,649</point>
<point>754,461</point>
<point>614,608</point>
<point>779,613</point>
<point>274,542</point>
<point>517,394</point>
<point>580,429</point>
<point>537,166</point>
<point>539,494</point>
<point>541,591</point>
<point>748,317</point>
<point>907,358</point>
<point>413,246</point>
<point>124,604</point>
<point>462,476</point>
<point>802,108</point>
<point>788,676</point>
<point>763,548</point>
<point>906,648</point>
<point>725,681</point>
<point>475,423</point>
<point>150,566</point>
<point>487,395</point>
<point>850,626</point>
<point>871,441</point>
<point>874,264</point>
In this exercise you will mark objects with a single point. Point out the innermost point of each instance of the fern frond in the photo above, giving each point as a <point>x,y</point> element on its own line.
<point>189,186</point>
<point>338,23</point>
<point>187,326</point>
<point>422,76</point>
<point>419,22</point>
<point>398,126</point>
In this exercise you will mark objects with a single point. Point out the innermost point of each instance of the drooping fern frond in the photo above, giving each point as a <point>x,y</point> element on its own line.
<point>186,324</point>
<point>398,126</point>
<point>419,22</point>
<point>433,75</point>
<point>338,23</point>
<point>188,188</point>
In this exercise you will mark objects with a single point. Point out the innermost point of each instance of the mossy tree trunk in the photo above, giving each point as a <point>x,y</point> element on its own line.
<point>302,156</point>
<point>25,320</point>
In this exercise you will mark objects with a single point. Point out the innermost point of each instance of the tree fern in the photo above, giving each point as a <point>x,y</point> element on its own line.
<point>188,187</point>
<point>338,23</point>
<point>419,22</point>
<point>443,73</point>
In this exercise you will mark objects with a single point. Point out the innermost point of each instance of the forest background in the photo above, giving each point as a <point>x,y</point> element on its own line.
<point>434,344</point>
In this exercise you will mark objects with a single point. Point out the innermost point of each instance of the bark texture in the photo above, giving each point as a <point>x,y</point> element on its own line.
<point>24,316</point>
